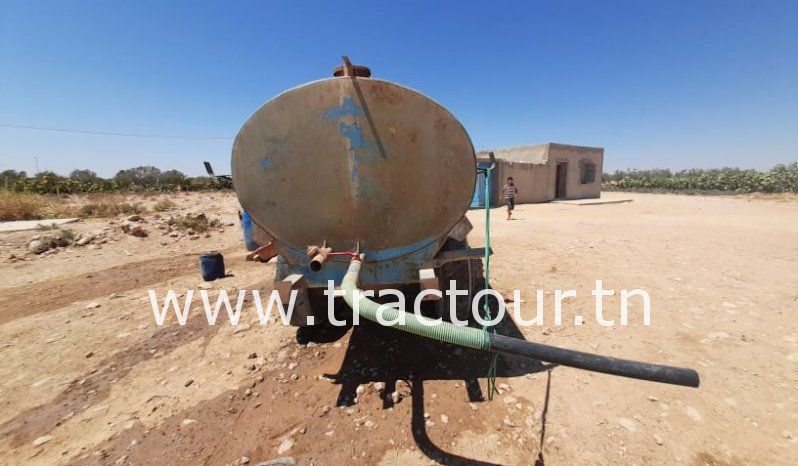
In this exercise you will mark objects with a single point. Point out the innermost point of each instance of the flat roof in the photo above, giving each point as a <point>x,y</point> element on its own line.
<point>535,153</point>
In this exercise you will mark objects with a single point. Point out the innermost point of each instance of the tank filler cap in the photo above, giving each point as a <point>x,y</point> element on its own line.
<point>348,69</point>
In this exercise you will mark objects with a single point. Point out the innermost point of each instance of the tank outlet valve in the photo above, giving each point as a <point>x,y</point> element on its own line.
<point>320,258</point>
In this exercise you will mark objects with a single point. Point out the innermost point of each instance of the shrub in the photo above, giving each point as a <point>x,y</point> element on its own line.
<point>163,204</point>
<point>20,206</point>
<point>109,210</point>
<point>199,222</point>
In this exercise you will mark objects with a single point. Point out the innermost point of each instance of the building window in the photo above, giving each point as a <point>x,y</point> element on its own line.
<point>588,174</point>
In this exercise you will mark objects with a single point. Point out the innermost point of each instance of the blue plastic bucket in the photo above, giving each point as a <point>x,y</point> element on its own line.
<point>212,265</point>
<point>249,240</point>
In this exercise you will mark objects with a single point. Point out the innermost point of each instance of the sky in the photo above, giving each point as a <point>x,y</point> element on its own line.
<point>677,84</point>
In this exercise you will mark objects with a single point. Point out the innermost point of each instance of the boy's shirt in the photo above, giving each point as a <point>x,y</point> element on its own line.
<point>510,191</point>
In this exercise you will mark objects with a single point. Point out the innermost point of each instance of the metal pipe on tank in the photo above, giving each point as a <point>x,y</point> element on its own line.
<point>320,258</point>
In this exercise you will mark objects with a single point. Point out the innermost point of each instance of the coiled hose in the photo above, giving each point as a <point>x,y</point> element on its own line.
<point>479,339</point>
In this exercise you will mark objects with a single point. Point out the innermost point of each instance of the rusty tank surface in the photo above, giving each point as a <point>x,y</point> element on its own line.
<point>340,160</point>
<point>356,163</point>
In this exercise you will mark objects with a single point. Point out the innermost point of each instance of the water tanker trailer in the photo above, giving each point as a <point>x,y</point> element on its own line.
<point>365,183</point>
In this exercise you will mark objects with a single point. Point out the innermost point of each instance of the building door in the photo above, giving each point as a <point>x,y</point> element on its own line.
<point>562,173</point>
<point>479,189</point>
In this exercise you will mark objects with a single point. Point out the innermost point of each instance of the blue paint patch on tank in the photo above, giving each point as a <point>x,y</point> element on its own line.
<point>362,148</point>
<point>266,163</point>
<point>347,108</point>
<point>353,134</point>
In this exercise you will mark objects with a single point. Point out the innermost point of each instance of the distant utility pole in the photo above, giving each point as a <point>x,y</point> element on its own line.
<point>36,162</point>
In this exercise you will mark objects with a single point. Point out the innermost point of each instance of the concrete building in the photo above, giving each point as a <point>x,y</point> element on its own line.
<point>543,172</point>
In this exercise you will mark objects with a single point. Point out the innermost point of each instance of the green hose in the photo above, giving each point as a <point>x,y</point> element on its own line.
<point>481,339</point>
<point>441,331</point>
<point>491,375</point>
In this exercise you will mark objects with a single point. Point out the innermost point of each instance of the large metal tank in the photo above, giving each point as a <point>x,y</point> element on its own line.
<point>357,163</point>
<point>354,161</point>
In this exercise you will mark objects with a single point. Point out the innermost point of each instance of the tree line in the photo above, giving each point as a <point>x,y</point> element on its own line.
<point>779,179</point>
<point>143,178</point>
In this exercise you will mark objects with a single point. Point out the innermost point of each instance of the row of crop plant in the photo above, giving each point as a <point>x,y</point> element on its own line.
<point>780,179</point>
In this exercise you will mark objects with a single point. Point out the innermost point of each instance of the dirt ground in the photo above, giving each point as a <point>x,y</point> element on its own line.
<point>87,377</point>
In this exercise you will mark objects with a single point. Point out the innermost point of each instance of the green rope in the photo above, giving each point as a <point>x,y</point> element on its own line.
<point>491,375</point>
